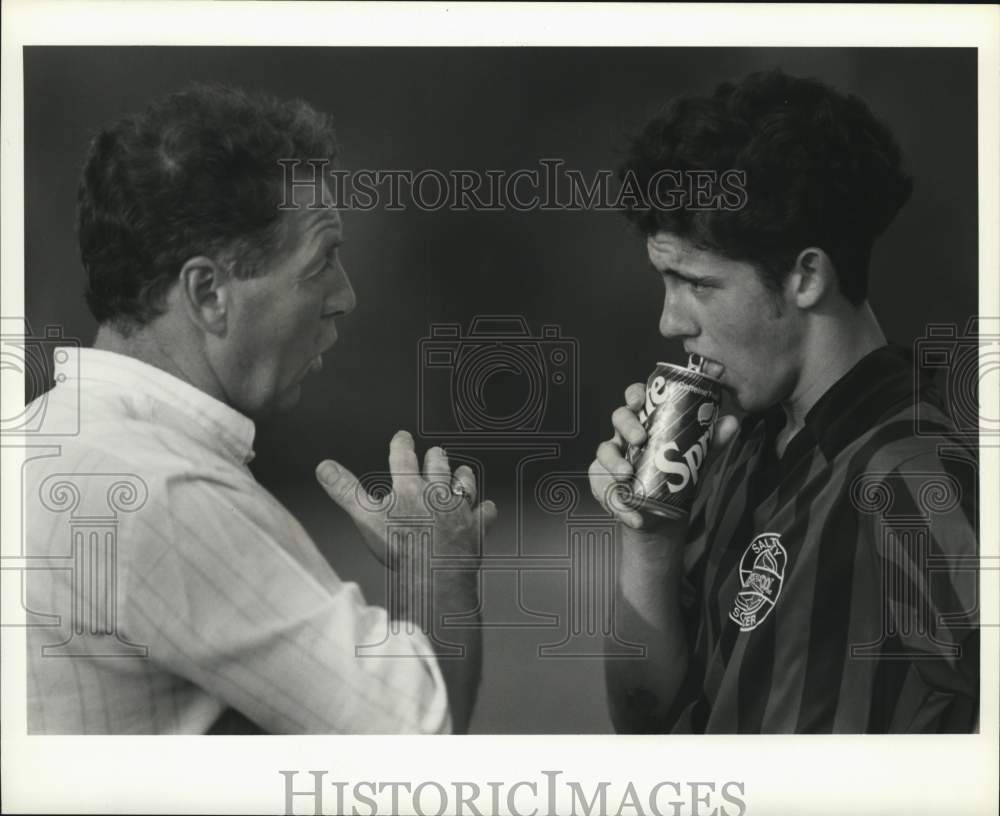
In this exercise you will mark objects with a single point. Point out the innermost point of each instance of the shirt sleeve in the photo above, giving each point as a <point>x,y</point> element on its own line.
<point>926,543</point>
<point>220,600</point>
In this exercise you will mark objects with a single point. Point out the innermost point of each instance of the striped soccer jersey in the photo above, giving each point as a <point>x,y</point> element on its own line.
<point>833,589</point>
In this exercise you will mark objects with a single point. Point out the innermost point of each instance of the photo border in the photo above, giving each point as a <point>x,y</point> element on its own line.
<point>952,774</point>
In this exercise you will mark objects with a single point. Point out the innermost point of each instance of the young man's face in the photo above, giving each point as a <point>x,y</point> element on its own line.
<point>283,318</point>
<point>720,309</point>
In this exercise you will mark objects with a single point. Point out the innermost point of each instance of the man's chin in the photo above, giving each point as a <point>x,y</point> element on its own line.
<point>281,404</point>
<point>288,400</point>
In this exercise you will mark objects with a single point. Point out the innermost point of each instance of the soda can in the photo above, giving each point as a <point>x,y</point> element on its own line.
<point>679,417</point>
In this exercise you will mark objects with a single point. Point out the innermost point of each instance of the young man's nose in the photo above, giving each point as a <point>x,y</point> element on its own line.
<point>674,319</point>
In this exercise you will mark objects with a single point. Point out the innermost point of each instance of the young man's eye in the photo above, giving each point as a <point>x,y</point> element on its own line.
<point>694,284</point>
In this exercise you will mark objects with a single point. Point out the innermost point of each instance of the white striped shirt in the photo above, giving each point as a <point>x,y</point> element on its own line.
<point>176,588</point>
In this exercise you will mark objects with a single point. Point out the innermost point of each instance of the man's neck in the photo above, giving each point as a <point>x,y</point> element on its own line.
<point>838,344</point>
<point>149,346</point>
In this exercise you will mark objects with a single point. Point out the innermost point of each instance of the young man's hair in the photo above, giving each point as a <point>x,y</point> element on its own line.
<point>820,170</point>
<point>196,173</point>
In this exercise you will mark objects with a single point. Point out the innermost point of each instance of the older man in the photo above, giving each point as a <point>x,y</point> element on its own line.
<point>217,611</point>
<point>819,585</point>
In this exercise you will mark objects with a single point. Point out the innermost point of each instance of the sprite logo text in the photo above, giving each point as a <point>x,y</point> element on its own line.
<point>681,469</point>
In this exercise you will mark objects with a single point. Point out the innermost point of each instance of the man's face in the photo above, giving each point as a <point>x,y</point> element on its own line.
<point>721,310</point>
<point>282,319</point>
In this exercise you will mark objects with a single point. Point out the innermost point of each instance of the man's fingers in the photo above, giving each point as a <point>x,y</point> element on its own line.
<point>488,513</point>
<point>403,464</point>
<point>465,477</point>
<point>635,396</point>
<point>436,467</point>
<point>627,424</point>
<point>342,486</point>
<point>610,457</point>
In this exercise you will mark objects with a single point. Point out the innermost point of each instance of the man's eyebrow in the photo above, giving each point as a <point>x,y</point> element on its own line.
<point>324,246</point>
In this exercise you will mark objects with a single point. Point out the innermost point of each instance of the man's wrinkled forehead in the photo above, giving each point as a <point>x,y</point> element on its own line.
<point>303,229</point>
<point>327,218</point>
<point>308,195</point>
<point>312,210</point>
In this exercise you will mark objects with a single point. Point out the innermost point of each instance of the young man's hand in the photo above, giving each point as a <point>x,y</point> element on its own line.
<point>611,469</point>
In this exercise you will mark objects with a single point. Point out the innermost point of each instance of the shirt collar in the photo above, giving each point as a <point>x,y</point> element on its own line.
<point>164,396</point>
<point>880,383</point>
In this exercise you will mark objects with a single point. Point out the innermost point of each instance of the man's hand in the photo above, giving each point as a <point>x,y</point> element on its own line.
<point>458,521</point>
<point>459,525</point>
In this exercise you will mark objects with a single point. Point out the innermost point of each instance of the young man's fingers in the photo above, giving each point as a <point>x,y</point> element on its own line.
<point>726,428</point>
<point>607,491</point>
<point>635,396</point>
<point>627,424</point>
<point>600,480</point>
<point>610,458</point>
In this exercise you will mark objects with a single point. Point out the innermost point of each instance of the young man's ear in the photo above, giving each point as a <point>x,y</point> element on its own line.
<point>812,279</point>
<point>205,293</point>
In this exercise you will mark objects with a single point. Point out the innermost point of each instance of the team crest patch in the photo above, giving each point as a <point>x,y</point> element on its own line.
<point>762,569</point>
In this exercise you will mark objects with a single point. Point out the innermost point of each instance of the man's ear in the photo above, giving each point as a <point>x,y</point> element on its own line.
<point>813,278</point>
<point>205,292</point>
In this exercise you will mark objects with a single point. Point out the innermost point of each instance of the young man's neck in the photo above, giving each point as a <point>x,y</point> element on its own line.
<point>837,344</point>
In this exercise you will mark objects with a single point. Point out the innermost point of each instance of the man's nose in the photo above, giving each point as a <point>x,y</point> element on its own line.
<point>342,298</point>
<point>674,319</point>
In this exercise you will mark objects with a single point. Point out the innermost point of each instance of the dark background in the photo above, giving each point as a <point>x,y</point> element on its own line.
<point>585,272</point>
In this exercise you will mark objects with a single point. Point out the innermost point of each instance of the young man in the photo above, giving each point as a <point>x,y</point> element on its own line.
<point>196,602</point>
<point>818,585</point>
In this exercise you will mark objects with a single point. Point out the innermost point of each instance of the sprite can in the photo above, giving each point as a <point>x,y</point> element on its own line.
<point>679,415</point>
